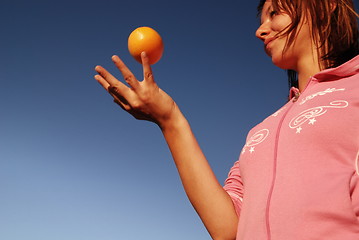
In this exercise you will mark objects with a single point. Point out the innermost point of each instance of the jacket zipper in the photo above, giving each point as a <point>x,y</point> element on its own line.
<point>275,167</point>
<point>270,193</point>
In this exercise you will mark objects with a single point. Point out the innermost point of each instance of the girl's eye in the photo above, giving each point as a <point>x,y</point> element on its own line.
<point>273,13</point>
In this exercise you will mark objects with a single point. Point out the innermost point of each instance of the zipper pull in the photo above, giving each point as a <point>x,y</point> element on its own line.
<point>294,94</point>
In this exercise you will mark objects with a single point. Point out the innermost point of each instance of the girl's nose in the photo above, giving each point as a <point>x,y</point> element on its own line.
<point>262,32</point>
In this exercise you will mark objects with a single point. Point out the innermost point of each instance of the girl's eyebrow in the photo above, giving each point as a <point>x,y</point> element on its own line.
<point>269,9</point>
<point>266,13</point>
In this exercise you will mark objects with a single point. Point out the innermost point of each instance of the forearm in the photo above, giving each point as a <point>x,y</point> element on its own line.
<point>146,101</point>
<point>207,196</point>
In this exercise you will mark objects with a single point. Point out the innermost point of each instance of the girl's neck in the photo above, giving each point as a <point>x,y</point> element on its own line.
<point>307,68</point>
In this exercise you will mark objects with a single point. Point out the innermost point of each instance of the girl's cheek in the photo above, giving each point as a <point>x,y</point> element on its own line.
<point>280,22</point>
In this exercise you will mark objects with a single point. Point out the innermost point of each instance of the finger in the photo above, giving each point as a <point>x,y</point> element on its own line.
<point>116,95</point>
<point>102,81</point>
<point>147,71</point>
<point>122,105</point>
<point>126,73</point>
<point>108,77</point>
<point>120,88</point>
<point>114,91</point>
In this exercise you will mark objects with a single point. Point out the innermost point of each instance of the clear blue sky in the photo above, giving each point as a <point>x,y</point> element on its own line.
<point>73,165</point>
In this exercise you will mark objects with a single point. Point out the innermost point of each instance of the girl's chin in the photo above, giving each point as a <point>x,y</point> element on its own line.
<point>281,62</point>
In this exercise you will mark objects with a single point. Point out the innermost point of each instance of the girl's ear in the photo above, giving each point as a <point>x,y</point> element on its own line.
<point>333,5</point>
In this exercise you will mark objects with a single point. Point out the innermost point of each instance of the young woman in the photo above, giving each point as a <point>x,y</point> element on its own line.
<point>298,173</point>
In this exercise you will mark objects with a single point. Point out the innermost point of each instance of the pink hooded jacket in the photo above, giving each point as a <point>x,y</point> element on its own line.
<point>298,173</point>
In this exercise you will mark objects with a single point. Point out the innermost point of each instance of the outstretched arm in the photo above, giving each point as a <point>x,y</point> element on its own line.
<point>145,100</point>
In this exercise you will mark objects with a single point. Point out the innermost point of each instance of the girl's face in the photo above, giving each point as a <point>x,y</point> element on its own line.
<point>298,53</point>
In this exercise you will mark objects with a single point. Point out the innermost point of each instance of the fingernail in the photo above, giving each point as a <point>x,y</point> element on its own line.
<point>114,57</point>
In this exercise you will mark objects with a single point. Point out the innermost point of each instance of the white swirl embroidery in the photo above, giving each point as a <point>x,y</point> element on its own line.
<point>309,115</point>
<point>279,111</point>
<point>256,139</point>
<point>328,90</point>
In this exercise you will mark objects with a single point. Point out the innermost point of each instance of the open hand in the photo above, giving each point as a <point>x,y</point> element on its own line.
<point>142,99</point>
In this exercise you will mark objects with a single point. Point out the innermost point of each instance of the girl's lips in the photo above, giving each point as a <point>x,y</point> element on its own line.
<point>267,41</point>
<point>267,45</point>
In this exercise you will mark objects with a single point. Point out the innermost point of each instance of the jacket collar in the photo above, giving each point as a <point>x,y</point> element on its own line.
<point>347,69</point>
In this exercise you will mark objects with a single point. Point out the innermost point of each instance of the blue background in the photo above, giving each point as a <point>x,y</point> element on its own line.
<point>73,165</point>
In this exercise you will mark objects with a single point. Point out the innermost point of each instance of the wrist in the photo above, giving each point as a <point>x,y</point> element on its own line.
<point>174,121</point>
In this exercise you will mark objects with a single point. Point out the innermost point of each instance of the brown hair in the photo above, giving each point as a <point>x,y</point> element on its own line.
<point>334,27</point>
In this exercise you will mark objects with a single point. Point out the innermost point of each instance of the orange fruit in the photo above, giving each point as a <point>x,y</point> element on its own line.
<point>148,40</point>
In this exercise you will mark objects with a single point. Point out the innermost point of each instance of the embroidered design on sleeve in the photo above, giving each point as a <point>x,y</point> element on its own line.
<point>279,111</point>
<point>235,196</point>
<point>309,116</point>
<point>328,90</point>
<point>256,139</point>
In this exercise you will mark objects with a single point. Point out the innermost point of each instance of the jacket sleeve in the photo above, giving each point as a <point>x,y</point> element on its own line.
<point>234,187</point>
